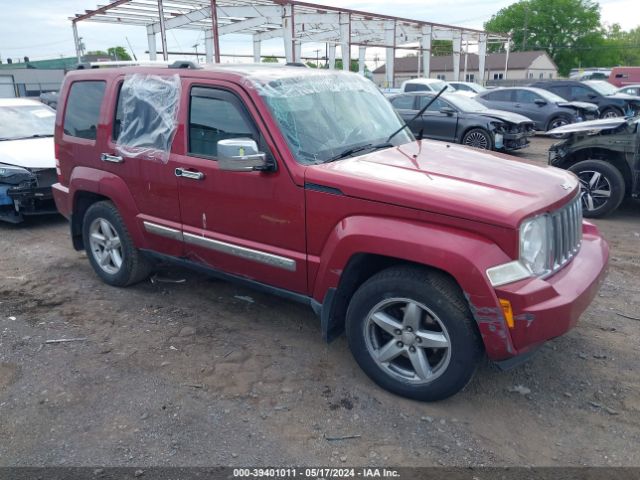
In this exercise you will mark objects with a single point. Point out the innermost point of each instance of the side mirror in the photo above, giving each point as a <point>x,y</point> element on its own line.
<point>539,102</point>
<point>240,155</point>
<point>592,96</point>
<point>447,110</point>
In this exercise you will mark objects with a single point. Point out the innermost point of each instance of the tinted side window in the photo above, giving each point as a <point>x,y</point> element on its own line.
<point>463,87</point>
<point>213,119</point>
<point>435,106</point>
<point>563,92</point>
<point>525,96</point>
<point>83,109</point>
<point>416,87</point>
<point>499,96</point>
<point>578,91</point>
<point>405,102</point>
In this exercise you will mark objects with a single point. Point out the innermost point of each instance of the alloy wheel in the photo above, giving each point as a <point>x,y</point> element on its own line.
<point>407,340</point>
<point>477,140</point>
<point>596,189</point>
<point>106,246</point>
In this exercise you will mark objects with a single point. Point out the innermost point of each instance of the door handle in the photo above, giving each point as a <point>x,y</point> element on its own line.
<point>181,172</point>
<point>106,157</point>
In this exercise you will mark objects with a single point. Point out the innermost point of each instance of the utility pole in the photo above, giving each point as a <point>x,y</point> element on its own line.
<point>197,58</point>
<point>317,58</point>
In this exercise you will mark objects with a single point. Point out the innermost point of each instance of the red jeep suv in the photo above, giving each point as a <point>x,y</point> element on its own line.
<point>292,180</point>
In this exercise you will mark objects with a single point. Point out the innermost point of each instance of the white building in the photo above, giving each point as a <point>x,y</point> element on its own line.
<point>532,65</point>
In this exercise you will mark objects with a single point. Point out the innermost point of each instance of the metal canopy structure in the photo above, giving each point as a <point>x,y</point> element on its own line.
<point>295,22</point>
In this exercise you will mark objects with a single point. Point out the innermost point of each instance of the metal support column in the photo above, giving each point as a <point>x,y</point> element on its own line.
<point>287,32</point>
<point>482,57</point>
<point>457,45</point>
<point>214,28</point>
<point>506,61</point>
<point>257,46</point>
<point>390,41</point>
<point>362,52</point>
<point>425,44</point>
<point>332,56</point>
<point>345,40</point>
<point>208,45</point>
<point>151,40</point>
<point>76,41</point>
<point>163,32</point>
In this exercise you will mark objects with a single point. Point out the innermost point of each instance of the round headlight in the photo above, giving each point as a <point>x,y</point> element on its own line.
<point>534,245</point>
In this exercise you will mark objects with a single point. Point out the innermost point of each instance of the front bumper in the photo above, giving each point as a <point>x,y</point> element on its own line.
<point>515,141</point>
<point>34,198</point>
<point>547,308</point>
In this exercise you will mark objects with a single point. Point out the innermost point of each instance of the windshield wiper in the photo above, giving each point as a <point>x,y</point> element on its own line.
<point>422,110</point>
<point>350,151</point>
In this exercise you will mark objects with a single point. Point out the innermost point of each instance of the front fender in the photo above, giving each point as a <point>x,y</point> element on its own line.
<point>462,254</point>
<point>113,187</point>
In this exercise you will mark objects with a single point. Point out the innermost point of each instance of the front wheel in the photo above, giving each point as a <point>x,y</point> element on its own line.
<point>611,113</point>
<point>478,138</point>
<point>602,187</point>
<point>109,247</point>
<point>557,122</point>
<point>412,333</point>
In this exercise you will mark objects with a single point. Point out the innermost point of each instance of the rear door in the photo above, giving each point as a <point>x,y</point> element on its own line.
<point>149,177</point>
<point>250,224</point>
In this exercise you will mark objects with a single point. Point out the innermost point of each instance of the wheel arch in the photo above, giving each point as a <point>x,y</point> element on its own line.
<point>460,256</point>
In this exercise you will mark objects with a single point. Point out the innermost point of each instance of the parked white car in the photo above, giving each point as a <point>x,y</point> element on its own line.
<point>27,159</point>
<point>468,89</point>
<point>425,85</point>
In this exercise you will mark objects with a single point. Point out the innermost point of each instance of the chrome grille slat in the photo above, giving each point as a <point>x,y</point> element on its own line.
<point>567,232</point>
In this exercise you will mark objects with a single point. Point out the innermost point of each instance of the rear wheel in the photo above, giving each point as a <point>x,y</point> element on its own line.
<point>478,138</point>
<point>602,187</point>
<point>411,332</point>
<point>109,247</point>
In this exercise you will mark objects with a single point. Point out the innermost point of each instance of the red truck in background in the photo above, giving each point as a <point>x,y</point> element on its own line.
<point>428,255</point>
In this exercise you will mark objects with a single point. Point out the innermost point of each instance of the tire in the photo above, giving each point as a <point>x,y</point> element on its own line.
<point>478,138</point>
<point>556,122</point>
<point>597,177</point>
<point>611,113</point>
<point>430,303</point>
<point>106,238</point>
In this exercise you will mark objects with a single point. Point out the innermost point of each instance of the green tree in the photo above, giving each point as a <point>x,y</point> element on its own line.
<point>269,59</point>
<point>353,67</point>
<point>118,53</point>
<point>566,29</point>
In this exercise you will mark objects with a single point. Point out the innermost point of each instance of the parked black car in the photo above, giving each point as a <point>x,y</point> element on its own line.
<point>610,102</point>
<point>457,118</point>
<point>546,109</point>
<point>605,155</point>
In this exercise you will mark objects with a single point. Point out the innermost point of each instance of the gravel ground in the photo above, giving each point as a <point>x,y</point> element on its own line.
<point>205,372</point>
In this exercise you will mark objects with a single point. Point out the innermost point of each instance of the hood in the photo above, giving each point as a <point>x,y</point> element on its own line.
<point>451,180</point>
<point>590,126</point>
<point>28,153</point>
<point>592,107</point>
<point>504,116</point>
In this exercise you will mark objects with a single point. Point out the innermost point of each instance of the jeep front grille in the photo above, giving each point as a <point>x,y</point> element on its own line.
<point>566,232</point>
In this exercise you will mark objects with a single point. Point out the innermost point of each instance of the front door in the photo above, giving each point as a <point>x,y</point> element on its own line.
<point>436,124</point>
<point>249,224</point>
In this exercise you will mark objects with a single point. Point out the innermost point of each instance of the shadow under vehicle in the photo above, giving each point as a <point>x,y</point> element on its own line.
<point>605,155</point>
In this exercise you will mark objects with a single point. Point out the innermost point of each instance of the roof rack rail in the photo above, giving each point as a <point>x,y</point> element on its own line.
<point>185,64</point>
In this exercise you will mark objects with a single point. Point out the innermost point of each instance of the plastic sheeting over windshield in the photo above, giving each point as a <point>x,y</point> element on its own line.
<point>148,116</point>
<point>323,113</point>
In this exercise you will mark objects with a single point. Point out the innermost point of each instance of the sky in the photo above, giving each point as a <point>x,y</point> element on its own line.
<point>41,29</point>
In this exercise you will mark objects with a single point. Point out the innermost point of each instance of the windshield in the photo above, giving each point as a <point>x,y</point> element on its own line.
<point>26,121</point>
<point>322,114</point>
<point>603,88</point>
<point>465,104</point>
<point>548,96</point>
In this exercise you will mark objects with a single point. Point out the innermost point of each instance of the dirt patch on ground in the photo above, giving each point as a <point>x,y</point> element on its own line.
<point>206,372</point>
